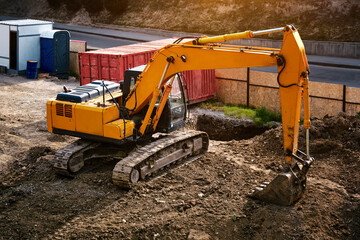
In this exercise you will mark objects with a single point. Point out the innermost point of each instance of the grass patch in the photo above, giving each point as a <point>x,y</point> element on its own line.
<point>263,115</point>
<point>239,112</point>
<point>260,115</point>
<point>212,105</point>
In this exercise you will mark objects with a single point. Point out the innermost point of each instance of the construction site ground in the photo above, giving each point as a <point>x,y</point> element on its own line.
<point>205,199</point>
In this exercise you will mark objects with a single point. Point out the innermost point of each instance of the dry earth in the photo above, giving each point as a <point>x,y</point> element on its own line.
<point>206,199</point>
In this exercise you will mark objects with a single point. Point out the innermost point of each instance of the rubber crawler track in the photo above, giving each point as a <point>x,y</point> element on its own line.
<point>62,157</point>
<point>138,158</point>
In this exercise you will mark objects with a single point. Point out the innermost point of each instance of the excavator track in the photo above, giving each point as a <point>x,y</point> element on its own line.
<point>69,160</point>
<point>175,148</point>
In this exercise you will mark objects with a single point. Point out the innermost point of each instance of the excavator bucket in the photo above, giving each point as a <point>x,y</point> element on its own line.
<point>286,188</point>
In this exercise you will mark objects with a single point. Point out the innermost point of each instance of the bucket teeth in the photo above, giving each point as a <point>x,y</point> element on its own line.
<point>261,187</point>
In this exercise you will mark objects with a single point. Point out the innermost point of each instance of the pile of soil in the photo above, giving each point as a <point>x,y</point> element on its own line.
<point>205,199</point>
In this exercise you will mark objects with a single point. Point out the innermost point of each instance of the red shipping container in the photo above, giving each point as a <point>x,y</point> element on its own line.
<point>111,64</point>
<point>201,85</point>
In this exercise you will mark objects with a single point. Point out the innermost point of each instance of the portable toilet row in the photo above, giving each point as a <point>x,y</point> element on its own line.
<point>21,42</point>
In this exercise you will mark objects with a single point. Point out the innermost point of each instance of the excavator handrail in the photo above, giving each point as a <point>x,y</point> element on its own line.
<point>226,47</point>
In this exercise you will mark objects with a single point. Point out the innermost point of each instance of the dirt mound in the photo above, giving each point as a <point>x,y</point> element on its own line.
<point>206,199</point>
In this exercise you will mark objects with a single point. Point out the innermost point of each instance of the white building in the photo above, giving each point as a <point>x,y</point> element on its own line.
<point>20,42</point>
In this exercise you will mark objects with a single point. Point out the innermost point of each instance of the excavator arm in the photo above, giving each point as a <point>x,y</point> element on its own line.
<point>207,53</point>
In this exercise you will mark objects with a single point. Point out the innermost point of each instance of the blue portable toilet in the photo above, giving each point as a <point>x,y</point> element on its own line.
<point>55,53</point>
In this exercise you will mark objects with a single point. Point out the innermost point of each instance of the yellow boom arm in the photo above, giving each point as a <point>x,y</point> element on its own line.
<point>203,53</point>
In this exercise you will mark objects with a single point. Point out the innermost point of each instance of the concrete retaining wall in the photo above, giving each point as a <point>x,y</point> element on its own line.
<point>320,48</point>
<point>325,98</point>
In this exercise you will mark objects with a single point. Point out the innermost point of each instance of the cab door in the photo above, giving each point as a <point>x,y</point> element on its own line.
<point>174,114</point>
<point>177,103</point>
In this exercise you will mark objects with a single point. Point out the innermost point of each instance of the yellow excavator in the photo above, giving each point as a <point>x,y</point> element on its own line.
<point>151,105</point>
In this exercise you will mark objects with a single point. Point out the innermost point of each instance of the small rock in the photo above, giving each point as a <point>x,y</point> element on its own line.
<point>200,194</point>
<point>23,168</point>
<point>124,221</point>
<point>193,202</point>
<point>159,201</point>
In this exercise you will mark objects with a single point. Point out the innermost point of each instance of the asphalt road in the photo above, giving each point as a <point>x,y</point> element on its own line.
<point>97,38</point>
<point>339,75</point>
<point>99,42</point>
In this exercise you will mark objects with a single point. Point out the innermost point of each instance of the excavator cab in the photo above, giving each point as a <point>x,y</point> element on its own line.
<point>174,114</point>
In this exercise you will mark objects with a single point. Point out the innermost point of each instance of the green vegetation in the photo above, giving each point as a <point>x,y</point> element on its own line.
<point>212,105</point>
<point>358,115</point>
<point>260,115</point>
<point>263,115</point>
<point>239,112</point>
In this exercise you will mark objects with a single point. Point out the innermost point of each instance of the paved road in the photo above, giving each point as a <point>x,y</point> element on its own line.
<point>105,38</point>
<point>97,42</point>
<point>141,37</point>
<point>347,76</point>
